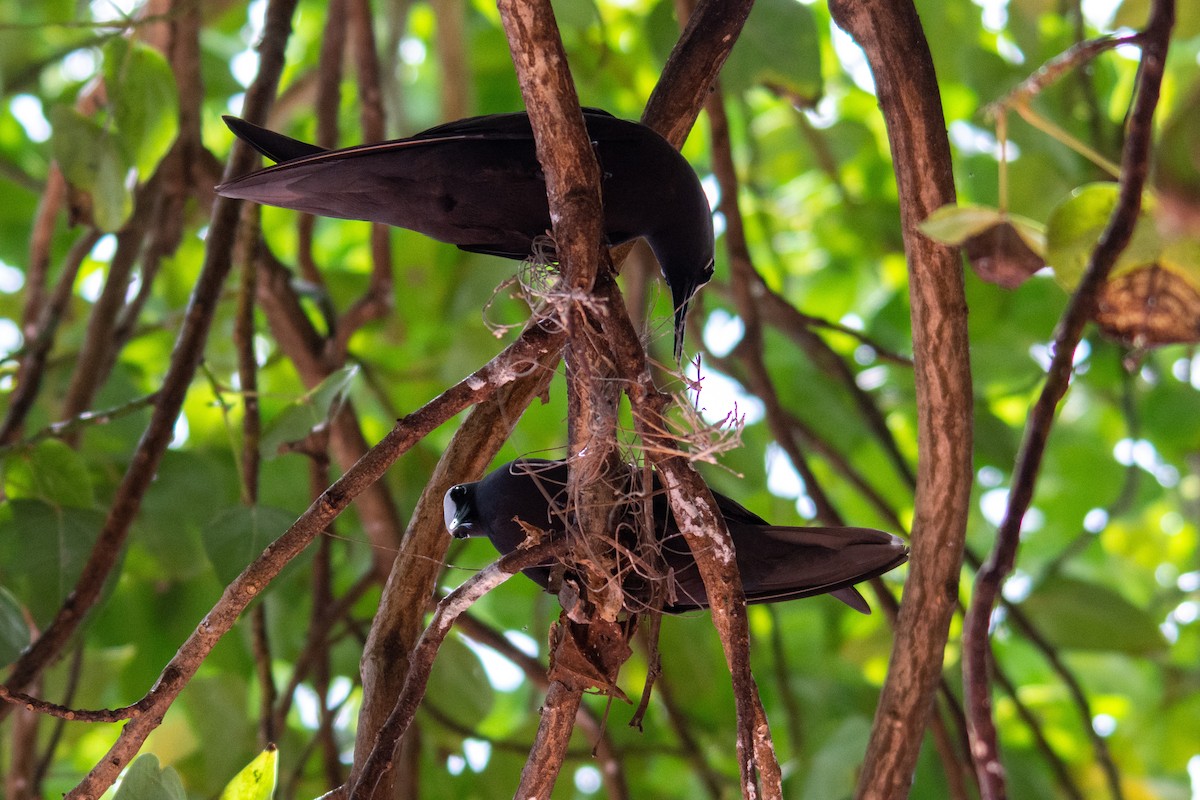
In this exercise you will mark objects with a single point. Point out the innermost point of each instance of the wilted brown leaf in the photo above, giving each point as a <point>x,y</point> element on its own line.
<point>587,656</point>
<point>999,255</point>
<point>1149,307</point>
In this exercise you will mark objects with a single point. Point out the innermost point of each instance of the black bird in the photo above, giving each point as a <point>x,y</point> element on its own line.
<point>776,562</point>
<point>477,183</point>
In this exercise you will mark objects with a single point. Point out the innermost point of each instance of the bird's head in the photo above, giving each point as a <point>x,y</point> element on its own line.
<point>460,511</point>
<point>684,249</point>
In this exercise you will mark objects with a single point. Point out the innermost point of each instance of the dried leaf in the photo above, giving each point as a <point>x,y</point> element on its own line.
<point>586,656</point>
<point>1001,256</point>
<point>1149,307</point>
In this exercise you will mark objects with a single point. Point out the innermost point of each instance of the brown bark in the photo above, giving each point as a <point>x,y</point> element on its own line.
<point>890,33</point>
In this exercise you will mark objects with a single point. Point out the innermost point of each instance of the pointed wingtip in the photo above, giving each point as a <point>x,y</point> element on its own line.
<point>853,598</point>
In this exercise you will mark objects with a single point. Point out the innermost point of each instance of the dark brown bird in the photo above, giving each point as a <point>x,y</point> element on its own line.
<point>776,562</point>
<point>476,183</point>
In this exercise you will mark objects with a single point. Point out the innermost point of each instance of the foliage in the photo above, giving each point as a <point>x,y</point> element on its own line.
<point>1108,573</point>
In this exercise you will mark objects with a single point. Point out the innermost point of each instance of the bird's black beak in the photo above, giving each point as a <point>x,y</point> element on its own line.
<point>680,322</point>
<point>682,296</point>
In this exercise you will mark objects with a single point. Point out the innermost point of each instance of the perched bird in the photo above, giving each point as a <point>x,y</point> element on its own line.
<point>776,562</point>
<point>477,183</point>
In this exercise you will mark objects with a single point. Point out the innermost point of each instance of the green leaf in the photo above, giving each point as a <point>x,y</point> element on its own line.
<point>778,45</point>
<point>52,472</point>
<point>257,780</point>
<point>145,102</point>
<point>1075,226</point>
<point>42,551</point>
<point>954,224</point>
<point>1080,615</point>
<point>302,415</point>
<point>456,667</point>
<point>238,535</point>
<point>1182,257</point>
<point>834,768</point>
<point>14,630</point>
<point>1177,162</point>
<point>92,159</point>
<point>144,780</point>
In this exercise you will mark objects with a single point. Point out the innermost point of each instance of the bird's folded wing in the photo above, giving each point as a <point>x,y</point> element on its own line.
<point>275,146</point>
<point>304,165</point>
<point>796,561</point>
<point>499,126</point>
<point>735,512</point>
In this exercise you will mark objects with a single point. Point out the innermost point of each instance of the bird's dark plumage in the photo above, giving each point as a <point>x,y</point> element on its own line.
<point>775,562</point>
<point>476,183</point>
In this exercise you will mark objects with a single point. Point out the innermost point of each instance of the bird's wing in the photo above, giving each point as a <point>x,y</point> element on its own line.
<point>321,156</point>
<point>444,187</point>
<point>293,152</point>
<point>734,512</point>
<point>798,562</point>
<point>491,126</point>
<point>499,126</point>
<point>275,146</point>
<point>493,250</point>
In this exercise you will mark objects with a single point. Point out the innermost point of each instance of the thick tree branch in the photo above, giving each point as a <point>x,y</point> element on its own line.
<point>573,193</point>
<point>1135,161</point>
<point>711,30</point>
<point>890,34</point>
<point>385,662</point>
<point>707,537</point>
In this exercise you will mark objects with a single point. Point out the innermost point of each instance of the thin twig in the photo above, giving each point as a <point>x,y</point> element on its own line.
<point>1116,236</point>
<point>87,419</point>
<point>96,350</point>
<point>37,351</point>
<point>378,298</point>
<point>1061,772</point>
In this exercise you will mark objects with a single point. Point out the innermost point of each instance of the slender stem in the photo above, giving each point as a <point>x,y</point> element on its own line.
<point>1116,236</point>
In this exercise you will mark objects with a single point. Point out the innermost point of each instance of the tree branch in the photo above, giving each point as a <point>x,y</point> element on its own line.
<point>1135,160</point>
<point>399,621</point>
<point>890,34</point>
<point>379,762</point>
